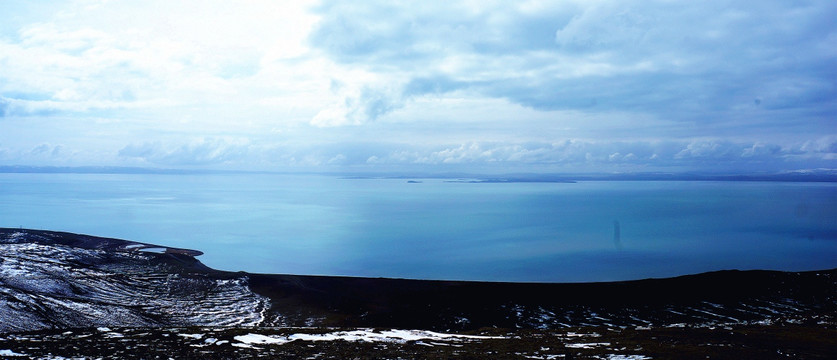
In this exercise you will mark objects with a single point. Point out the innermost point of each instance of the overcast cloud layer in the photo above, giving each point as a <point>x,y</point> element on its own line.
<point>522,86</point>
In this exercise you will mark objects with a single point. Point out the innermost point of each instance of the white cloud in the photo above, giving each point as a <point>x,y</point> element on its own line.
<point>47,150</point>
<point>164,55</point>
<point>602,156</point>
<point>669,59</point>
<point>826,144</point>
<point>761,150</point>
<point>197,152</point>
<point>358,106</point>
<point>708,150</point>
<point>576,85</point>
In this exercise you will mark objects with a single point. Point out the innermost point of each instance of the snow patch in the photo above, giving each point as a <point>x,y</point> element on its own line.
<point>575,334</point>
<point>259,339</point>
<point>361,335</point>
<point>8,352</point>
<point>586,345</point>
<point>242,345</point>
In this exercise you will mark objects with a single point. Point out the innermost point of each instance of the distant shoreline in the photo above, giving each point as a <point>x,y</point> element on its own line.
<point>807,175</point>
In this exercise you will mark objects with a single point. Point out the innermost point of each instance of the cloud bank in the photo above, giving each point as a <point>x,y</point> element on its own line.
<point>663,57</point>
<point>533,86</point>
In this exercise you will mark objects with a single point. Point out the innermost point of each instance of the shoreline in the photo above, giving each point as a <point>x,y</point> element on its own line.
<point>301,300</point>
<point>71,295</point>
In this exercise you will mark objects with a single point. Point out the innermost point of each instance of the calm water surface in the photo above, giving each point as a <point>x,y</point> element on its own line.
<point>308,224</point>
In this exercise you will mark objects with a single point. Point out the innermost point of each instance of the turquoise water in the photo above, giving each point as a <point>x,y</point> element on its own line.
<point>310,224</point>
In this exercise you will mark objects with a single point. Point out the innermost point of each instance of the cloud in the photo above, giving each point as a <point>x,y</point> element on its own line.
<point>686,62</point>
<point>530,85</point>
<point>410,35</point>
<point>569,152</point>
<point>711,150</point>
<point>199,152</point>
<point>359,106</point>
<point>712,155</point>
<point>47,151</point>
<point>69,70</point>
<point>434,84</point>
<point>150,57</point>
<point>23,107</point>
<point>822,148</point>
<point>761,150</point>
<point>823,145</point>
<point>337,159</point>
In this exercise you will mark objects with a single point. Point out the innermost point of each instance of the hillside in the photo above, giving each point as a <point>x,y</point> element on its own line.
<point>54,283</point>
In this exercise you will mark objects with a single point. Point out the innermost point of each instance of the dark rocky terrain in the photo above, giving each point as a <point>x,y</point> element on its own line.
<point>67,295</point>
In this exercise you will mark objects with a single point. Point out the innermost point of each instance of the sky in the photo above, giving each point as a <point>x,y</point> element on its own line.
<point>421,86</point>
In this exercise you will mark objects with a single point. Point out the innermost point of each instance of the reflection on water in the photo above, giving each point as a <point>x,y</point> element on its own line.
<point>429,228</point>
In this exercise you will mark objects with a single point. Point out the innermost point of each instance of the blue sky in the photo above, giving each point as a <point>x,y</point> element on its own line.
<point>436,86</point>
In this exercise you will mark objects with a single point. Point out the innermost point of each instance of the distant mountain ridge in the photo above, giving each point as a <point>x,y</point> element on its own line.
<point>54,280</point>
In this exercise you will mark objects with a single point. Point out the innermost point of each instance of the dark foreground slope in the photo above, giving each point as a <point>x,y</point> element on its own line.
<point>64,286</point>
<point>776,341</point>
<point>710,298</point>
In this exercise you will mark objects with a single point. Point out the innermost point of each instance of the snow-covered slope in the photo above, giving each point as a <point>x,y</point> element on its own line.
<point>50,281</point>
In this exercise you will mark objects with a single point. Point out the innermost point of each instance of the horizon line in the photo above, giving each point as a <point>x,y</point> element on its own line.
<point>800,175</point>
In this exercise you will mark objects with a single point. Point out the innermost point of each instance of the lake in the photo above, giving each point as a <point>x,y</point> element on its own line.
<point>435,229</point>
